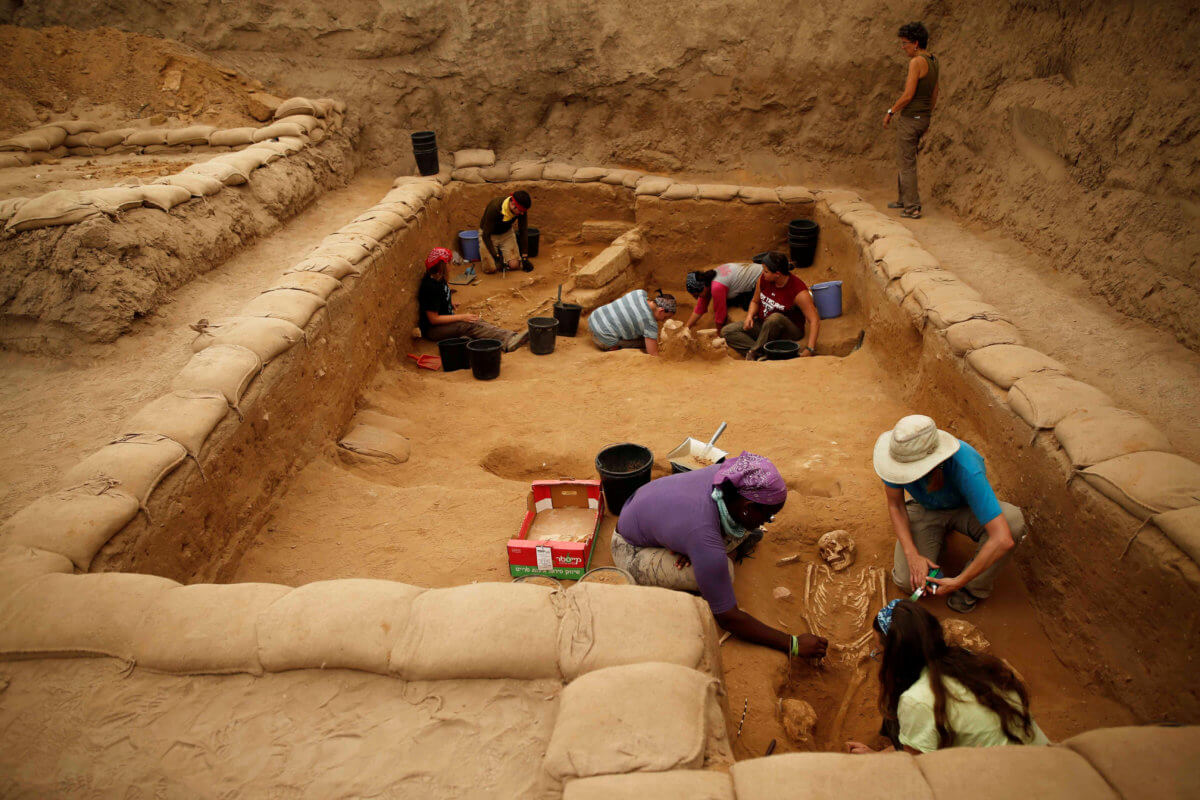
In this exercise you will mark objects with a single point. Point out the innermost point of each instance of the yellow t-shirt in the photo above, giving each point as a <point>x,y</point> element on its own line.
<point>973,724</point>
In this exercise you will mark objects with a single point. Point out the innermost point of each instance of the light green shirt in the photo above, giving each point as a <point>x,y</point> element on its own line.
<point>973,724</point>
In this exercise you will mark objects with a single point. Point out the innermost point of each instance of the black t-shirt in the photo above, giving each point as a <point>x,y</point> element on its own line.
<point>433,295</point>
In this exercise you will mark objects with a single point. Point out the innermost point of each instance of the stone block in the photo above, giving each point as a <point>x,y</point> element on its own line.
<point>604,230</point>
<point>611,262</point>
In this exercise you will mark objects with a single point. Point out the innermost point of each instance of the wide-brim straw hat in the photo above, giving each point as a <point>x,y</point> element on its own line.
<point>912,449</point>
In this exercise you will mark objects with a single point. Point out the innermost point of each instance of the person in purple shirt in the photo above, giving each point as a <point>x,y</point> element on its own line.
<point>947,481</point>
<point>680,531</point>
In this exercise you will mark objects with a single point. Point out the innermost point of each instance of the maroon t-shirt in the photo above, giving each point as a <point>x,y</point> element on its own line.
<point>774,298</point>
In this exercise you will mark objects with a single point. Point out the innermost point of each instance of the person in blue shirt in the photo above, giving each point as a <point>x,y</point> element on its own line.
<point>948,484</point>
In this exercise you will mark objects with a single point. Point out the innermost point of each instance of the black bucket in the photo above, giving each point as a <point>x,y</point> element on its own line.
<point>623,469</point>
<point>803,254</point>
<point>423,138</point>
<point>781,350</point>
<point>567,315</point>
<point>535,236</point>
<point>454,353</point>
<point>427,163</point>
<point>803,226</point>
<point>485,358</point>
<point>542,335</point>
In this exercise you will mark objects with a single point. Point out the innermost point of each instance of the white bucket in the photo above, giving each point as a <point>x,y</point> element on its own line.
<point>683,458</point>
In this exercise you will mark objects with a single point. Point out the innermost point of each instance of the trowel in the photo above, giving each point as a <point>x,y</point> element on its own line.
<point>713,440</point>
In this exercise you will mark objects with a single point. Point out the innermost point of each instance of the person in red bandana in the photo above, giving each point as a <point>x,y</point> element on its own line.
<point>499,246</point>
<point>435,311</point>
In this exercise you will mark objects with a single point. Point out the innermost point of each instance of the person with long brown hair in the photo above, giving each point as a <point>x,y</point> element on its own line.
<point>933,695</point>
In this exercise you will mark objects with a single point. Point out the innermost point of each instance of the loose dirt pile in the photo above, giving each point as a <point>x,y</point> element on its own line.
<point>113,78</point>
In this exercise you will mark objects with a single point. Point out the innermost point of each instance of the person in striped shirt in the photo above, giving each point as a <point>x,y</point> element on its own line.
<point>631,321</point>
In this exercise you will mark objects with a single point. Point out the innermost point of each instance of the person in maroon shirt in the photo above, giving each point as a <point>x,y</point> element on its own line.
<point>782,308</point>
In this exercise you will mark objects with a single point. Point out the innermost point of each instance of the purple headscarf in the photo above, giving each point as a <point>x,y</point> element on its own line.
<point>755,479</point>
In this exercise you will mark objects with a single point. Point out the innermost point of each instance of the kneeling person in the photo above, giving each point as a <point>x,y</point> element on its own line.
<point>782,308</point>
<point>631,321</point>
<point>679,531</point>
<point>499,246</point>
<point>435,311</point>
<point>730,284</point>
<point>947,481</point>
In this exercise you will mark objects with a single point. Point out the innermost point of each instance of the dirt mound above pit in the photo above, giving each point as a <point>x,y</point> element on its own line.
<point>113,78</point>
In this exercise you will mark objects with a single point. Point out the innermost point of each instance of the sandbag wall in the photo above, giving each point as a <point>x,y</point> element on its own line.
<point>1113,512</point>
<point>296,117</point>
<point>112,254</point>
<point>1105,764</point>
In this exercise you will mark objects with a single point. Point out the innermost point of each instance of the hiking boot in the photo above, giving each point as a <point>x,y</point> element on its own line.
<point>516,340</point>
<point>962,601</point>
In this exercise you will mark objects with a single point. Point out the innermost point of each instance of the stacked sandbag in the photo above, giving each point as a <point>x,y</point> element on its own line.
<point>678,784</point>
<point>1045,398</point>
<point>20,564</point>
<point>204,628</point>
<point>59,207</point>
<point>78,615</point>
<point>225,369</point>
<point>349,624</point>
<point>267,338</point>
<point>1147,483</point>
<point>606,626</point>
<point>74,522</point>
<point>831,776</point>
<point>484,630</point>
<point>135,463</point>
<point>374,437</point>
<point>640,718</point>
<point>1005,364</point>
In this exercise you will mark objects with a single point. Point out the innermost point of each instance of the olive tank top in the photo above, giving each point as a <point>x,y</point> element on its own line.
<point>922,102</point>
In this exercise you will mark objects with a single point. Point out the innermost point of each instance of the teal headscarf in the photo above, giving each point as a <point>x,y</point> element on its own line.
<point>730,527</point>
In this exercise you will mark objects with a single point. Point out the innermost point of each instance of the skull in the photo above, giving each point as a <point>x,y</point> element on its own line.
<point>960,633</point>
<point>799,720</point>
<point>837,549</point>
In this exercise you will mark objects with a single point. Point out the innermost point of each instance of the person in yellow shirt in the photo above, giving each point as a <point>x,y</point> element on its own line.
<point>933,695</point>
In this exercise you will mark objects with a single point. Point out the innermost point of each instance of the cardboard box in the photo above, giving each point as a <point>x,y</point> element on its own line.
<point>584,503</point>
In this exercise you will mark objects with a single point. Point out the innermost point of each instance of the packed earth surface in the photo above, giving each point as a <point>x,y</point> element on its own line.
<point>1061,189</point>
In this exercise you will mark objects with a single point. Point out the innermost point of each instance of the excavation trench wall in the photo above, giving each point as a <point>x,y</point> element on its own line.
<point>1086,591</point>
<point>89,283</point>
<point>1128,620</point>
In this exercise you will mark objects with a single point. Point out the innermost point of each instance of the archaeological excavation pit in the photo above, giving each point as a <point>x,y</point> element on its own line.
<point>266,499</point>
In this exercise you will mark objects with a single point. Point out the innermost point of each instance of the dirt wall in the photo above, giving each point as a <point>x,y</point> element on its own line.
<point>1071,124</point>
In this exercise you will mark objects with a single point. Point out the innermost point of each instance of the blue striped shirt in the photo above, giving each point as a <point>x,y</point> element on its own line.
<point>629,317</point>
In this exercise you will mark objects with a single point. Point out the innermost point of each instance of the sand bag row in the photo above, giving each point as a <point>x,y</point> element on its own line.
<point>66,207</point>
<point>679,784</point>
<point>1119,453</point>
<point>648,717</point>
<point>480,166</point>
<point>1148,763</point>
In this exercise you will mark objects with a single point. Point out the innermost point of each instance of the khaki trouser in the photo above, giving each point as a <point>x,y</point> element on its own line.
<point>655,566</point>
<point>909,131</point>
<point>471,330</point>
<point>507,242</point>
<point>775,327</point>
<point>929,529</point>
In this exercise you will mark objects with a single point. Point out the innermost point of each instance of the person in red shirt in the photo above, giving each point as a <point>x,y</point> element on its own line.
<point>782,308</point>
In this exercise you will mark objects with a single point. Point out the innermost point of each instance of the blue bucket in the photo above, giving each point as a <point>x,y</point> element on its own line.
<point>468,244</point>
<point>827,297</point>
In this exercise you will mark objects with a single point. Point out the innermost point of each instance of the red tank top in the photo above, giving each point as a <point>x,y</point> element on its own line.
<point>775,298</point>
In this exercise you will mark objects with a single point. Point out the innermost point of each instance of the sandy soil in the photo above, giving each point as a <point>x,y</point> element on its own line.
<point>118,80</point>
<point>443,517</point>
<point>95,172</point>
<point>85,728</point>
<point>89,394</point>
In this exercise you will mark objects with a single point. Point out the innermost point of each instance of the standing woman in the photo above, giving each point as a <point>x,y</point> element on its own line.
<point>730,284</point>
<point>940,696</point>
<point>913,111</point>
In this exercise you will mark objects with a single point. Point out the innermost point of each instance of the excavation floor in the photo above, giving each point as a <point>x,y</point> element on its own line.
<point>443,518</point>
